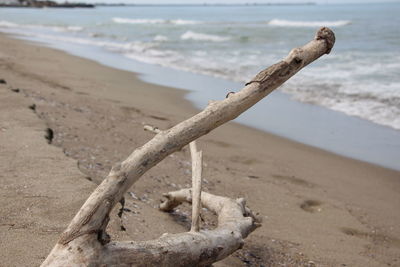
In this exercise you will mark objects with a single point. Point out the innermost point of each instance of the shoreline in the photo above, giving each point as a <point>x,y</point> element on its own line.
<point>316,205</point>
<point>329,130</point>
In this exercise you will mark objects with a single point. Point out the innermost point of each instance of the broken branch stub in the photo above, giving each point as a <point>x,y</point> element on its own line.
<point>86,230</point>
<point>197,170</point>
<point>197,161</point>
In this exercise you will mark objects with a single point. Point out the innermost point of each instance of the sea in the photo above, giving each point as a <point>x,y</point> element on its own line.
<point>347,102</point>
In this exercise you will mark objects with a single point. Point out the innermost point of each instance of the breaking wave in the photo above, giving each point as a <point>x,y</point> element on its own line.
<point>190,35</point>
<point>160,38</point>
<point>154,21</point>
<point>8,24</point>
<point>369,91</point>
<point>293,23</point>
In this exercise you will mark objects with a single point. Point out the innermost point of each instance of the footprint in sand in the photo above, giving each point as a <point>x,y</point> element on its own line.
<point>292,180</point>
<point>81,93</point>
<point>375,237</point>
<point>311,206</point>
<point>244,160</point>
<point>158,118</point>
<point>131,110</point>
<point>219,143</point>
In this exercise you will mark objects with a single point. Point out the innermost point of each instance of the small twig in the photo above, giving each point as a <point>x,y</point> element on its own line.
<point>197,169</point>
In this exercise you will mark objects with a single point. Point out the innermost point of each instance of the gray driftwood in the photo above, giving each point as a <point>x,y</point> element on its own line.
<point>85,242</point>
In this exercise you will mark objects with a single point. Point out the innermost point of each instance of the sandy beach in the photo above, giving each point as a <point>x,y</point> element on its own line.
<point>66,120</point>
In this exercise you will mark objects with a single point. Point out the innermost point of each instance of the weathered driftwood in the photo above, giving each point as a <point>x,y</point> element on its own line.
<point>85,241</point>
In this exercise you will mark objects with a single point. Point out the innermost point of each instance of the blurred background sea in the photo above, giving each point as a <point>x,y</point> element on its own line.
<point>347,102</point>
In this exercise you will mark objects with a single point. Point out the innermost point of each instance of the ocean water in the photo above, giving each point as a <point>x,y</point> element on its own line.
<point>228,45</point>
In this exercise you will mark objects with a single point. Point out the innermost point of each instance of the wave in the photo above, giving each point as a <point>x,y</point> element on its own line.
<point>293,23</point>
<point>70,28</point>
<point>189,35</point>
<point>160,38</point>
<point>354,85</point>
<point>154,21</point>
<point>4,23</point>
<point>380,110</point>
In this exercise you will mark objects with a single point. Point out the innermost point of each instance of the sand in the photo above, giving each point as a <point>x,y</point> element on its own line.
<point>65,121</point>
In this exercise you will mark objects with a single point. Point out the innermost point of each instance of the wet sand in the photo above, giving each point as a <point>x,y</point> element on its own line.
<point>66,120</point>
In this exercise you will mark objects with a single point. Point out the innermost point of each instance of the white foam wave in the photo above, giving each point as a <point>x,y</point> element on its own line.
<point>74,28</point>
<point>356,87</point>
<point>154,21</point>
<point>293,23</point>
<point>190,35</point>
<point>120,47</point>
<point>160,38</point>
<point>71,28</point>
<point>367,106</point>
<point>184,22</point>
<point>7,24</point>
<point>58,28</point>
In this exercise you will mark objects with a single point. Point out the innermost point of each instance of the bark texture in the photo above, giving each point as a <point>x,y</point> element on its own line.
<point>85,242</point>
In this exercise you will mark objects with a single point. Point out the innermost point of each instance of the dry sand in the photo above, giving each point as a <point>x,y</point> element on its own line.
<point>319,209</point>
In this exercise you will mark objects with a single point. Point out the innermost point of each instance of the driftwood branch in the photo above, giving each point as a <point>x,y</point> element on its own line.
<point>84,241</point>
